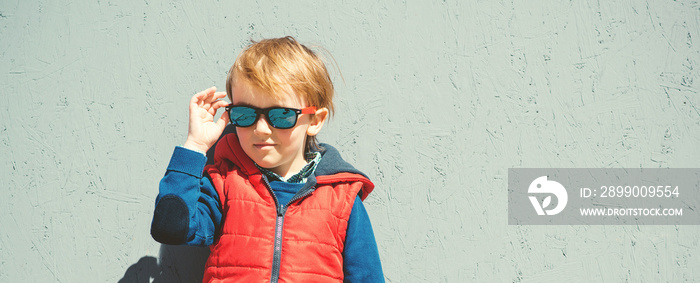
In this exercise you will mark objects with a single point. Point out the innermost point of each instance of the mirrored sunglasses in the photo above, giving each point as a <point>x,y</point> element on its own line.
<point>277,117</point>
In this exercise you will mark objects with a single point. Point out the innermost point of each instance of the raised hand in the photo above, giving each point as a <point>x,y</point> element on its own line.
<point>203,132</point>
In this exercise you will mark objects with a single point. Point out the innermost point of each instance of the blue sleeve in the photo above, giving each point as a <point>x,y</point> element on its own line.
<point>361,256</point>
<point>188,210</point>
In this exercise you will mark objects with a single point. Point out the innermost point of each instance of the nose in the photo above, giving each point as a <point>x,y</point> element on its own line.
<point>261,127</point>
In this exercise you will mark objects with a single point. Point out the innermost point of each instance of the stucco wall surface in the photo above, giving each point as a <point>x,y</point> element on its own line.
<point>437,100</point>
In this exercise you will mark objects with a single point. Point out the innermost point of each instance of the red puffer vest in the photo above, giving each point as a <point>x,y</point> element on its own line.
<point>262,242</point>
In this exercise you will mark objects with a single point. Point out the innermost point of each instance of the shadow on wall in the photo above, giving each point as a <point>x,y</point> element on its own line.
<point>177,264</point>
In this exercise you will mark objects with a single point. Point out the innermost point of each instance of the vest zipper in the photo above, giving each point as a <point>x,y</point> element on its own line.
<point>279,226</point>
<point>277,255</point>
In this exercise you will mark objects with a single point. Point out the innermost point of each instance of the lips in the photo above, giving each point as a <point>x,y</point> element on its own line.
<point>263,145</point>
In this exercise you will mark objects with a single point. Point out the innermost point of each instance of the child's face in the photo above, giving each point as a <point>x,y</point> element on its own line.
<point>279,150</point>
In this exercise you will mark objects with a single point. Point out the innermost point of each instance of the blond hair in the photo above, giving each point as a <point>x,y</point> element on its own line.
<point>275,65</point>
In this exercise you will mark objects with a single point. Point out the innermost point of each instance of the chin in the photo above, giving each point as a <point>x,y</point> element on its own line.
<point>266,163</point>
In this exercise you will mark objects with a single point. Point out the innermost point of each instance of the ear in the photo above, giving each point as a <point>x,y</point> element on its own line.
<point>317,121</point>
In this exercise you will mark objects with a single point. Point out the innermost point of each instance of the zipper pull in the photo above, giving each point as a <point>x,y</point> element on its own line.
<point>280,212</point>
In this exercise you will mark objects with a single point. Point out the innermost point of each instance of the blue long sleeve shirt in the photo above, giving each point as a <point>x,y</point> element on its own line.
<point>193,215</point>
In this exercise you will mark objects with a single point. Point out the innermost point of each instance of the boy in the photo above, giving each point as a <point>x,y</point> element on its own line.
<point>275,206</point>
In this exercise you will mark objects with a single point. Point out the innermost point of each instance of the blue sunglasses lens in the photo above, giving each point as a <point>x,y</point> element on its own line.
<point>242,116</point>
<point>282,118</point>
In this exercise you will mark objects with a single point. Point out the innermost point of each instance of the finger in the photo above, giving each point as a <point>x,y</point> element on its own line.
<point>195,98</point>
<point>216,97</point>
<point>198,98</point>
<point>218,104</point>
<point>223,120</point>
<point>211,97</point>
<point>220,94</point>
<point>207,92</point>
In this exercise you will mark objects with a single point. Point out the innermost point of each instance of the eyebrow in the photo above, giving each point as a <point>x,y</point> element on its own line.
<point>253,106</point>
<point>242,104</point>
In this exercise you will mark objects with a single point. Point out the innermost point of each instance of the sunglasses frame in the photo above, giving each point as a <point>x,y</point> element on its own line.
<point>266,113</point>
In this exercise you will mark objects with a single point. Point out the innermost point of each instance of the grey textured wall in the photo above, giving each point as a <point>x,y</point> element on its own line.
<point>439,98</point>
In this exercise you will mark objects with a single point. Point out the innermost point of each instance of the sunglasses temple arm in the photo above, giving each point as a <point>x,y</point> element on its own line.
<point>308,110</point>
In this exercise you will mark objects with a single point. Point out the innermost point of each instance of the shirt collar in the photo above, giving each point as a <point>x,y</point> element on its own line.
<point>312,158</point>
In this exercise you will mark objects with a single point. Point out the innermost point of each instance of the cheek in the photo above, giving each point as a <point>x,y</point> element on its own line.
<point>299,136</point>
<point>243,134</point>
<point>294,138</point>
